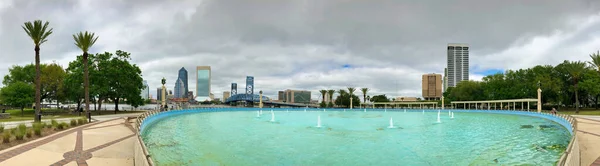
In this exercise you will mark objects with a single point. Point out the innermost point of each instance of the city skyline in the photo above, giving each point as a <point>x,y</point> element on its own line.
<point>306,45</point>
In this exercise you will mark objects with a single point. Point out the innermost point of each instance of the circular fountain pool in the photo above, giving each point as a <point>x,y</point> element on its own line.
<point>353,138</point>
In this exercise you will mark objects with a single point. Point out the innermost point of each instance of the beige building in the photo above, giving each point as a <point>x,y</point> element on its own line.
<point>226,95</point>
<point>406,99</point>
<point>432,86</point>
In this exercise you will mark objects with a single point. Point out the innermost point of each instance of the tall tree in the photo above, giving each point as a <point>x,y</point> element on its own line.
<point>18,94</point>
<point>351,92</point>
<point>52,77</point>
<point>364,91</point>
<point>380,98</point>
<point>591,85</point>
<point>595,60</point>
<point>85,41</point>
<point>576,69</point>
<point>323,94</point>
<point>39,33</point>
<point>129,88</point>
<point>330,92</point>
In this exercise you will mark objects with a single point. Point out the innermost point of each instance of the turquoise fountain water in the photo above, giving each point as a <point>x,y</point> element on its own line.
<point>354,137</point>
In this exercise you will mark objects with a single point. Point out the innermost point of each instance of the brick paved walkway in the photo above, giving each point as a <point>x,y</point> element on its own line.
<point>115,128</point>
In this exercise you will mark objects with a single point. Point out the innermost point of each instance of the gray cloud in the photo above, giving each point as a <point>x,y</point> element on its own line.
<point>304,44</point>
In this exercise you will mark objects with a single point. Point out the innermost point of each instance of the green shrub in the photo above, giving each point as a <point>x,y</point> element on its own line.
<point>1,128</point>
<point>49,125</point>
<point>13,131</point>
<point>19,135</point>
<point>81,121</point>
<point>54,123</point>
<point>6,136</point>
<point>37,128</point>
<point>73,122</point>
<point>28,133</point>
<point>62,125</point>
<point>22,128</point>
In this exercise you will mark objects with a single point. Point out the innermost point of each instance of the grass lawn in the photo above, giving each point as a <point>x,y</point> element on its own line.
<point>15,114</point>
<point>584,111</point>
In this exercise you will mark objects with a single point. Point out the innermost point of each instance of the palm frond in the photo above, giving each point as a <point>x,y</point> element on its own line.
<point>351,90</point>
<point>576,68</point>
<point>85,40</point>
<point>37,31</point>
<point>595,60</point>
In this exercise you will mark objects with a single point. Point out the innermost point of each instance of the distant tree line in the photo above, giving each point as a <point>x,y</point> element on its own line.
<point>112,78</point>
<point>567,84</point>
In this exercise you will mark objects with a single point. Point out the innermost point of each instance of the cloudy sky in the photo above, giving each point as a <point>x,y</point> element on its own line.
<point>384,45</point>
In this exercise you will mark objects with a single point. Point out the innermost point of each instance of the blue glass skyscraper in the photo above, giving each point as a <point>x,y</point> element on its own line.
<point>183,75</point>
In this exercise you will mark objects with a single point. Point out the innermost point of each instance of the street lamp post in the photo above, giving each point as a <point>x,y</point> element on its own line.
<point>260,103</point>
<point>539,102</point>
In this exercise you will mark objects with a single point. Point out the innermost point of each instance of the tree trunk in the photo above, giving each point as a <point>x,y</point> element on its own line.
<point>576,99</point>
<point>597,97</point>
<point>38,84</point>
<point>86,85</point>
<point>116,105</point>
<point>78,105</point>
<point>100,104</point>
<point>22,111</point>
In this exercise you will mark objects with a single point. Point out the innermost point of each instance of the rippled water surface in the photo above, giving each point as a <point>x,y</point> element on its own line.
<point>354,138</point>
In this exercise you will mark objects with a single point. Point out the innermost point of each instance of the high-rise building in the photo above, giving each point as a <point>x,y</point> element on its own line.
<point>203,77</point>
<point>249,85</point>
<point>445,84</point>
<point>158,94</point>
<point>296,96</point>
<point>281,96</point>
<point>146,91</point>
<point>233,89</point>
<point>458,63</point>
<point>183,75</point>
<point>179,89</point>
<point>226,95</point>
<point>432,86</point>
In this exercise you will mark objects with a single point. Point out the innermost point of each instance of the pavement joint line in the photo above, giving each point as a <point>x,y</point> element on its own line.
<point>588,119</point>
<point>99,127</point>
<point>44,140</point>
<point>79,156</point>
<point>598,135</point>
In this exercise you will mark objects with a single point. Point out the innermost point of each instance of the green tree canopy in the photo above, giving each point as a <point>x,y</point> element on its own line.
<point>379,98</point>
<point>52,77</point>
<point>18,94</point>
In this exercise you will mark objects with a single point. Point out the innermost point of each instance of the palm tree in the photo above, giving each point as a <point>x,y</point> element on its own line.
<point>364,91</point>
<point>84,41</point>
<point>330,92</point>
<point>351,92</point>
<point>323,93</point>
<point>595,60</point>
<point>576,70</point>
<point>39,33</point>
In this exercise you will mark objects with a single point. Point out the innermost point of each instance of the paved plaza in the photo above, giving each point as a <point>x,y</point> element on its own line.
<point>103,142</point>
<point>110,140</point>
<point>588,131</point>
